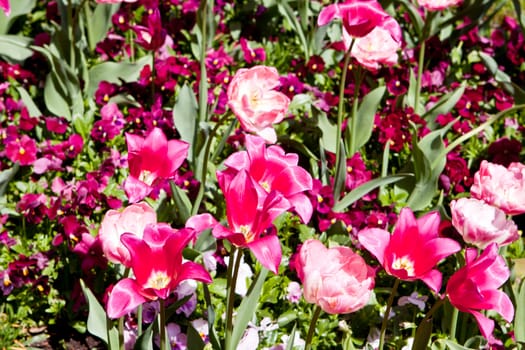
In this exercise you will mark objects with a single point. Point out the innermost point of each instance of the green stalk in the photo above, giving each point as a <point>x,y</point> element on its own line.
<point>353,130</point>
<point>387,312</point>
<point>421,62</point>
<point>453,323</point>
<point>121,333</point>
<point>340,113</point>
<point>311,329</point>
<point>233,272</point>
<point>162,325</point>
<point>71,34</point>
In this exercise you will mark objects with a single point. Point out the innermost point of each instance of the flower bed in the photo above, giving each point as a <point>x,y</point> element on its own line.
<point>262,175</point>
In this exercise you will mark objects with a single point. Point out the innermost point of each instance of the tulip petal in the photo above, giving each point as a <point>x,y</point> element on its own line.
<point>201,222</point>
<point>194,271</point>
<point>268,251</point>
<point>433,280</point>
<point>485,324</point>
<point>135,189</point>
<point>124,298</point>
<point>375,240</point>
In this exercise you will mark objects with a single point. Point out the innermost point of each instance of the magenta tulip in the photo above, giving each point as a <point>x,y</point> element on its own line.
<point>158,268</point>
<point>273,170</point>
<point>502,187</point>
<point>480,223</point>
<point>336,279</point>
<point>150,159</point>
<point>475,286</point>
<point>255,102</point>
<point>250,216</point>
<point>413,250</point>
<point>359,17</point>
<point>5,6</point>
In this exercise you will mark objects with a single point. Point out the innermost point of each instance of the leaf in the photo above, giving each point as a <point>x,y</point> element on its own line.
<point>415,17</point>
<point>55,98</point>
<point>97,323</point>
<point>340,172</point>
<point>28,102</point>
<point>410,98</point>
<point>363,189</point>
<point>18,8</point>
<point>145,340</point>
<point>291,338</point>
<point>99,22</point>
<point>287,12</point>
<point>247,308</point>
<point>194,340</point>
<point>443,105</point>
<point>185,116</point>
<point>423,333</point>
<point>15,48</point>
<point>328,131</point>
<point>114,72</point>
<point>6,176</point>
<point>449,344</point>
<point>182,201</point>
<point>366,115</point>
<point>502,78</point>
<point>519,318</point>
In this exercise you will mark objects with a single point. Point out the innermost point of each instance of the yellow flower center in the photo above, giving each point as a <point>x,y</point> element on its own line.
<point>404,263</point>
<point>158,280</point>
<point>247,233</point>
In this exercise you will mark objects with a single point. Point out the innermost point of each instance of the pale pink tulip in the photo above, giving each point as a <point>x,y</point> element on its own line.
<point>149,159</point>
<point>480,223</point>
<point>336,279</point>
<point>413,250</point>
<point>379,47</point>
<point>438,5</point>
<point>273,170</point>
<point>5,6</point>
<point>133,219</point>
<point>255,102</point>
<point>502,187</point>
<point>475,286</point>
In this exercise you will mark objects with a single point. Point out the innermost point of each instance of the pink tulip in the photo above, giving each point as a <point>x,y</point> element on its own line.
<point>379,47</point>
<point>250,218</point>
<point>359,17</point>
<point>474,287</point>
<point>133,219</point>
<point>254,101</point>
<point>150,159</point>
<point>481,224</point>
<point>413,250</point>
<point>438,5</point>
<point>5,6</point>
<point>336,279</point>
<point>273,170</point>
<point>158,268</point>
<point>502,187</point>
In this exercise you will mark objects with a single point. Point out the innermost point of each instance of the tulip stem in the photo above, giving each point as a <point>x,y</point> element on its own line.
<point>162,325</point>
<point>233,271</point>
<point>311,329</point>
<point>340,112</point>
<point>355,103</point>
<point>453,323</point>
<point>387,312</point>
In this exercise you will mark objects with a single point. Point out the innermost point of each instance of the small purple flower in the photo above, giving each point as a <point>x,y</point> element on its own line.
<point>294,292</point>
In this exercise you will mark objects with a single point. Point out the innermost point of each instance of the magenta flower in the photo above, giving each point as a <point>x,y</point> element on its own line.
<point>359,17</point>
<point>250,218</point>
<point>481,224</point>
<point>255,102</point>
<point>336,279</point>
<point>502,187</point>
<point>5,6</point>
<point>22,150</point>
<point>273,170</point>
<point>133,219</point>
<point>158,268</point>
<point>153,36</point>
<point>475,286</point>
<point>413,250</point>
<point>150,159</point>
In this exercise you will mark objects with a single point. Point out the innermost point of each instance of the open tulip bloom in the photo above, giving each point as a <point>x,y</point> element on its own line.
<point>474,287</point>
<point>413,249</point>
<point>158,268</point>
